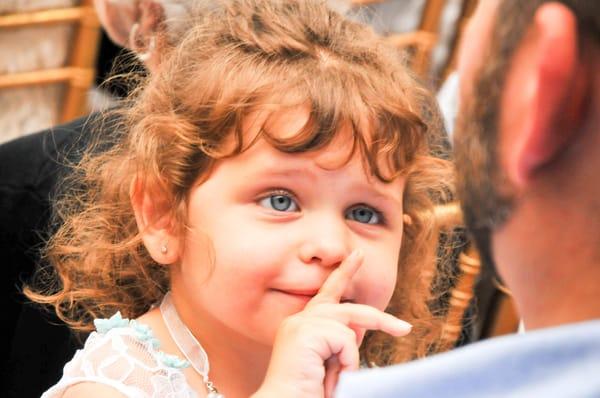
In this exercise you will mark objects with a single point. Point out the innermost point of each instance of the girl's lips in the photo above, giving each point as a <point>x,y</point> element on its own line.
<point>310,292</point>
<point>307,294</point>
<point>304,295</point>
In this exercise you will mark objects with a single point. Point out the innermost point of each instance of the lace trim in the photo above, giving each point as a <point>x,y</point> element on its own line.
<point>143,333</point>
<point>124,354</point>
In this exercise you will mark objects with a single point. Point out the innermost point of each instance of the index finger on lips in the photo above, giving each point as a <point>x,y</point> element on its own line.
<point>334,286</point>
<point>364,317</point>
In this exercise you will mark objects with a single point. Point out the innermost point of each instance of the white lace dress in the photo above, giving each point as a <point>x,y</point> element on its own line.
<point>124,355</point>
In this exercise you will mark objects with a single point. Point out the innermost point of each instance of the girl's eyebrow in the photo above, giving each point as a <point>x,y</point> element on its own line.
<point>378,195</point>
<point>289,173</point>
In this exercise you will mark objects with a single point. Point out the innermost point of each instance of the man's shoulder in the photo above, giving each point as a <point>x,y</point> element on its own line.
<point>27,160</point>
<point>551,362</point>
<point>55,134</point>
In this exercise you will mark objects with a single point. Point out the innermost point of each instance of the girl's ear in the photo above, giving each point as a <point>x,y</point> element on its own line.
<point>156,225</point>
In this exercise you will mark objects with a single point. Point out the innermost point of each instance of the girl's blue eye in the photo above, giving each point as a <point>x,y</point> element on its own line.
<point>364,214</point>
<point>279,202</point>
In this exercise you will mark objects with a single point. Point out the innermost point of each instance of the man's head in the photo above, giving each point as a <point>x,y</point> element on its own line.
<point>528,138</point>
<point>149,27</point>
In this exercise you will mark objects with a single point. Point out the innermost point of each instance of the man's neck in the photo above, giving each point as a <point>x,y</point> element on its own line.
<point>572,303</point>
<point>550,262</point>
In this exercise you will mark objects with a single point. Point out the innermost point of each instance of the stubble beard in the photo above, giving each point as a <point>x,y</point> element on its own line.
<point>486,195</point>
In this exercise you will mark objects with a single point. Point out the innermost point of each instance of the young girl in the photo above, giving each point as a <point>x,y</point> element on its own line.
<point>266,203</point>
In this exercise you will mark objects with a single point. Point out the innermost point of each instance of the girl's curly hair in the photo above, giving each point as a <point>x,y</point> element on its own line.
<point>235,59</point>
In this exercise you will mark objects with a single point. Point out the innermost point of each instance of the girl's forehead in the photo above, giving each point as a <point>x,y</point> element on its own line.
<point>338,159</point>
<point>287,123</point>
<point>283,123</point>
<point>330,164</point>
<point>348,141</point>
<point>329,158</point>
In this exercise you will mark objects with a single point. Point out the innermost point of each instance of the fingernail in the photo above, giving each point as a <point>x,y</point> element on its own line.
<point>403,326</point>
<point>355,255</point>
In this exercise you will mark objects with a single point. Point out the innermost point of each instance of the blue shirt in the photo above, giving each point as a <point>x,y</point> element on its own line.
<point>562,361</point>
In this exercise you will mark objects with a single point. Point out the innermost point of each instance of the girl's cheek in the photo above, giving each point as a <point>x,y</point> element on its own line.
<point>377,289</point>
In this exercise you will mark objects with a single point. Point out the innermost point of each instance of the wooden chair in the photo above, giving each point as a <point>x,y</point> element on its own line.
<point>495,317</point>
<point>419,44</point>
<point>78,73</point>
<point>447,218</point>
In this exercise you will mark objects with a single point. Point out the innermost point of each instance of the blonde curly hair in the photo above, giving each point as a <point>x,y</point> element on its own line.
<point>245,56</point>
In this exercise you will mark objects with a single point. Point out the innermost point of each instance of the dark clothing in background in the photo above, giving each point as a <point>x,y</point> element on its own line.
<point>37,344</point>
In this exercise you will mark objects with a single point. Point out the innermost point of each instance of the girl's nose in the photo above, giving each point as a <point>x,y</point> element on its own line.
<point>327,243</point>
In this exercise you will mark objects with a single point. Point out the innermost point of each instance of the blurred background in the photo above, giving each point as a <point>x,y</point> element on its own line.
<point>54,54</point>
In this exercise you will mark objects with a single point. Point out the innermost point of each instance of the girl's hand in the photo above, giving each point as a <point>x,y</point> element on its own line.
<point>313,346</point>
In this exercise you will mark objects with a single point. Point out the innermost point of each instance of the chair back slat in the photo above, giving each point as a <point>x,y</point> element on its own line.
<point>448,217</point>
<point>44,17</point>
<point>76,74</point>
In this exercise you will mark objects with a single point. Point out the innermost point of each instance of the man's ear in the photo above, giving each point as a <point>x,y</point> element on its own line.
<point>132,24</point>
<point>147,34</point>
<point>544,92</point>
<point>156,224</point>
<point>117,18</point>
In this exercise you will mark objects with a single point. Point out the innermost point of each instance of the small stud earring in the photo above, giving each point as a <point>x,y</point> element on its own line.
<point>164,249</point>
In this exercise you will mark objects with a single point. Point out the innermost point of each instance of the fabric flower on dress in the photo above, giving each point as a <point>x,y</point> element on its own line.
<point>144,333</point>
<point>115,321</point>
<point>172,361</point>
